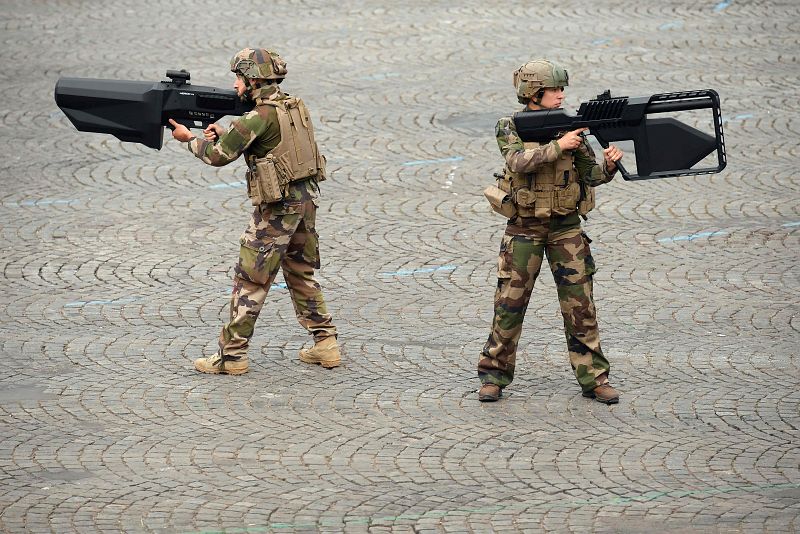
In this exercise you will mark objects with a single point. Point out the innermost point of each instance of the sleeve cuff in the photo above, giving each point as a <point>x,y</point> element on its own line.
<point>557,147</point>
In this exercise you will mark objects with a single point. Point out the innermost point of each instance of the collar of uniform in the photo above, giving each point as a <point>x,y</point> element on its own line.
<point>268,92</point>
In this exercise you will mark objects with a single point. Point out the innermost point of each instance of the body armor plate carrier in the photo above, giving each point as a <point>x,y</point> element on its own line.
<point>552,189</point>
<point>295,158</point>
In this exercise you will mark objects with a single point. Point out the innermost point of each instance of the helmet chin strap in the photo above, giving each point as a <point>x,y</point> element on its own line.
<point>249,87</point>
<point>540,95</point>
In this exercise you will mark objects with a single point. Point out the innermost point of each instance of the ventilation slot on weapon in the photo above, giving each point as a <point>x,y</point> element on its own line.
<point>604,110</point>
<point>221,102</point>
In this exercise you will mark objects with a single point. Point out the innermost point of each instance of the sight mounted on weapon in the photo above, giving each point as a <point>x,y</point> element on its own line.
<point>178,77</point>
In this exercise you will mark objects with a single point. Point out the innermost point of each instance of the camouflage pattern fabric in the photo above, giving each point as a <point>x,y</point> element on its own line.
<point>518,159</point>
<point>280,235</point>
<point>254,133</point>
<point>258,63</point>
<point>521,254</point>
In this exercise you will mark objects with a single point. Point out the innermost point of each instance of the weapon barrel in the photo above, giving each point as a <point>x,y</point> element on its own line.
<point>129,110</point>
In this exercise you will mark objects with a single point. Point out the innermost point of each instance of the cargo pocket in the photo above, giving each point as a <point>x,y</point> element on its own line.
<point>255,264</point>
<point>588,259</point>
<point>311,249</point>
<point>505,260</point>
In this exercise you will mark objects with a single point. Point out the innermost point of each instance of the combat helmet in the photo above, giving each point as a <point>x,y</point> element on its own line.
<point>258,64</point>
<point>538,74</point>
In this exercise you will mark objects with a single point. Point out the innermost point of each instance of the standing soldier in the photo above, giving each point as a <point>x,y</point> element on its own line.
<point>549,187</point>
<point>284,169</point>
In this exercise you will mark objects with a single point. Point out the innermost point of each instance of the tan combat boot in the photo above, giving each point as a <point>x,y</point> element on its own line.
<point>603,392</point>
<point>324,352</point>
<point>217,366</point>
<point>489,392</point>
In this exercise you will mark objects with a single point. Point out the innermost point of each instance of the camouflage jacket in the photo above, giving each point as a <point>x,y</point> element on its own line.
<point>522,160</point>
<point>254,133</point>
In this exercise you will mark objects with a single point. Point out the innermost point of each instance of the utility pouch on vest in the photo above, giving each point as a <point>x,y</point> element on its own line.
<point>586,203</point>
<point>525,198</point>
<point>263,183</point>
<point>321,162</point>
<point>500,201</point>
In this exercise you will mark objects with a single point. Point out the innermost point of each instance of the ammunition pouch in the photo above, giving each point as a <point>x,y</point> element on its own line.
<point>500,201</point>
<point>265,181</point>
<point>500,198</point>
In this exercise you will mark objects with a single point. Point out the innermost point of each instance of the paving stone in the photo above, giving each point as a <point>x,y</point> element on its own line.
<point>115,265</point>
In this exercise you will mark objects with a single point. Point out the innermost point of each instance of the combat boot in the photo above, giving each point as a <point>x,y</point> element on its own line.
<point>324,352</point>
<point>489,392</point>
<point>217,366</point>
<point>603,392</point>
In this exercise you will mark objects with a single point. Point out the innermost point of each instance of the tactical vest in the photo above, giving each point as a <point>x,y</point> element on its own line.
<point>295,158</point>
<point>552,189</point>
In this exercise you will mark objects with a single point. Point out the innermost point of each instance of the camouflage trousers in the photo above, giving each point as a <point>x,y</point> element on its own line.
<point>280,235</point>
<point>522,251</point>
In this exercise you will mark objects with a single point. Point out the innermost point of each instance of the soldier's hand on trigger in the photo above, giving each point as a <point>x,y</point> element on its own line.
<point>181,132</point>
<point>571,140</point>
<point>213,132</point>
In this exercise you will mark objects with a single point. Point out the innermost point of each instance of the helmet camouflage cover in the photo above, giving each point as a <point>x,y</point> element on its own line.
<point>538,74</point>
<point>258,64</point>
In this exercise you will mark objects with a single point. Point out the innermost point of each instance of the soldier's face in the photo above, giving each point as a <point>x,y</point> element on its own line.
<point>239,86</point>
<point>552,98</point>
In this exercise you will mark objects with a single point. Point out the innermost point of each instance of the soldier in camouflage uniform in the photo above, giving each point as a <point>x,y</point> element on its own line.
<point>281,233</point>
<point>548,187</point>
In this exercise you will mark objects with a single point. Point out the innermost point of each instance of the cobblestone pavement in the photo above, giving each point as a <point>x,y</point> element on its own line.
<point>116,263</point>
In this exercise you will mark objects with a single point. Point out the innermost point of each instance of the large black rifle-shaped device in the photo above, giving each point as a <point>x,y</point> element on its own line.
<point>138,111</point>
<point>663,146</point>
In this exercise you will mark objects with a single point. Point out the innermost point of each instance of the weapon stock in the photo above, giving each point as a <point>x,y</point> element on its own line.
<point>663,147</point>
<point>137,111</point>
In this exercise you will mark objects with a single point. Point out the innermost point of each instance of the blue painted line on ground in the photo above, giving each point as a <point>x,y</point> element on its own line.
<point>676,25</point>
<point>227,185</point>
<point>691,237</point>
<point>429,161</point>
<point>796,223</point>
<point>722,5</point>
<point>738,118</point>
<point>409,272</point>
<point>82,303</point>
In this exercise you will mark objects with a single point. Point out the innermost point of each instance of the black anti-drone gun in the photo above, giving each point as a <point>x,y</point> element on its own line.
<point>663,146</point>
<point>138,111</point>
